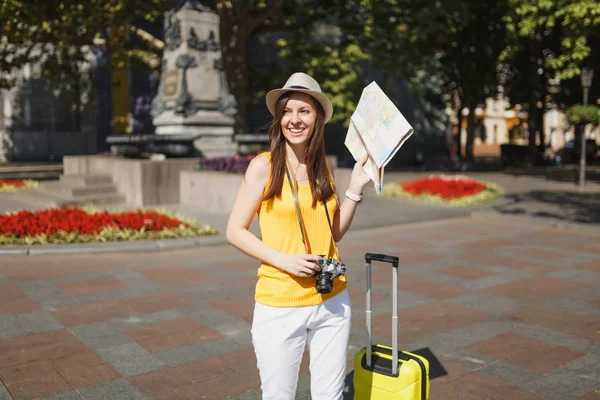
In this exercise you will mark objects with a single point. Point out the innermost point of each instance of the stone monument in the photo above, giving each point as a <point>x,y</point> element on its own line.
<point>193,101</point>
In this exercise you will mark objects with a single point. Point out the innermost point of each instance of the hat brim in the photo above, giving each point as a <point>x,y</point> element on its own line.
<point>275,94</point>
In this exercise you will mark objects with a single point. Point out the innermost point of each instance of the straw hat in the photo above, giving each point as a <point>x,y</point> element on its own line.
<point>301,82</point>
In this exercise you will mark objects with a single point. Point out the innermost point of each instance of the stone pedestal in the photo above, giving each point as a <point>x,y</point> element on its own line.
<point>193,98</point>
<point>142,182</point>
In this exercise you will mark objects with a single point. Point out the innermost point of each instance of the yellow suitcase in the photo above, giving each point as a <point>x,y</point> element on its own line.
<point>381,372</point>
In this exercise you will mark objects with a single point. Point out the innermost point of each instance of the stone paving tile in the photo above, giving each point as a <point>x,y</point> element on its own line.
<point>176,277</point>
<point>508,372</point>
<point>65,396</point>
<point>426,320</point>
<point>485,258</point>
<point>422,286</point>
<point>239,307</point>
<point>536,288</point>
<point>554,389</point>
<point>465,272</point>
<point>583,373</point>
<point>490,303</point>
<point>24,324</point>
<point>592,395</point>
<point>558,320</point>
<point>216,319</point>
<point>33,380</point>
<point>204,350</point>
<point>502,276</point>
<point>4,394</point>
<point>577,276</point>
<point>46,366</point>
<point>462,336</point>
<point>102,311</point>
<point>25,268</point>
<point>170,334</point>
<point>447,304</point>
<point>526,352</point>
<point>113,390</point>
<point>130,359</point>
<point>14,301</point>
<point>98,285</point>
<point>519,394</point>
<point>572,342</point>
<point>592,266</point>
<point>470,386</point>
<point>215,377</point>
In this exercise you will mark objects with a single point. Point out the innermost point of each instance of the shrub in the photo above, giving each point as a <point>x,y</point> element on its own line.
<point>579,114</point>
<point>236,164</point>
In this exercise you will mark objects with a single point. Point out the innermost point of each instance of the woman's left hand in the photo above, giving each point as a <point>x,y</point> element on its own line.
<point>359,178</point>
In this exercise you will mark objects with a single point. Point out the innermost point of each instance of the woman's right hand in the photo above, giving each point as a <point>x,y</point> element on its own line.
<point>301,265</point>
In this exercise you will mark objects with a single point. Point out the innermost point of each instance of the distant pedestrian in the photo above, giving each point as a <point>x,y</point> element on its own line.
<point>292,189</point>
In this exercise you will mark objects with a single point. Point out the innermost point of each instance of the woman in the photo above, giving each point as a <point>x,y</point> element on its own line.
<point>289,313</point>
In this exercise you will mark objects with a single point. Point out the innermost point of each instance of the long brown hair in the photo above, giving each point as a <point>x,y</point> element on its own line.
<point>316,160</point>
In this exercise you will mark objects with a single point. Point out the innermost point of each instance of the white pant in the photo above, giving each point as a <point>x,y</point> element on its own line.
<point>280,334</point>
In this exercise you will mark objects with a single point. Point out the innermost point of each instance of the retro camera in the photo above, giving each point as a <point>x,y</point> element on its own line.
<point>330,268</point>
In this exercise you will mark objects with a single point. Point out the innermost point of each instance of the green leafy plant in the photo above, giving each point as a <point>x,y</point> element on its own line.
<point>579,114</point>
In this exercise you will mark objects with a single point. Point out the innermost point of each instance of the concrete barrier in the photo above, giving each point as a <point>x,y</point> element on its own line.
<point>209,191</point>
<point>143,182</point>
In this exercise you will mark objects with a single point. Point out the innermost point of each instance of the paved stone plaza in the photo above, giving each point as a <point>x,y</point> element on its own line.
<point>510,309</point>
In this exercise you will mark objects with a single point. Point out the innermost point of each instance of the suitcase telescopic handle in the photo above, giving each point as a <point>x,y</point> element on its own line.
<point>381,257</point>
<point>369,257</point>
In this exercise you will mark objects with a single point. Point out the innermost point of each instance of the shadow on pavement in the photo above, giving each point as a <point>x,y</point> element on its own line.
<point>567,173</point>
<point>566,206</point>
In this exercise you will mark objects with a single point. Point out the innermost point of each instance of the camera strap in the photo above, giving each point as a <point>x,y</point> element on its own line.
<point>294,187</point>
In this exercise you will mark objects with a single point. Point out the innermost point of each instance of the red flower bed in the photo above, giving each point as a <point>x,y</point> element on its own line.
<point>49,222</point>
<point>446,187</point>
<point>15,184</point>
<point>456,190</point>
<point>11,186</point>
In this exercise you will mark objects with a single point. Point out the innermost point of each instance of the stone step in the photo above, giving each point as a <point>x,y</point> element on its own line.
<point>68,191</point>
<point>37,171</point>
<point>97,198</point>
<point>9,167</point>
<point>29,199</point>
<point>39,175</point>
<point>41,198</point>
<point>83,180</point>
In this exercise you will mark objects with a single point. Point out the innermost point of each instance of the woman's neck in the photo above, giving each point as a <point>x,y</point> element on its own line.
<point>296,154</point>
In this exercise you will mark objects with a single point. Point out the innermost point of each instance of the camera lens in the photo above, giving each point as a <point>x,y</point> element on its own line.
<point>324,283</point>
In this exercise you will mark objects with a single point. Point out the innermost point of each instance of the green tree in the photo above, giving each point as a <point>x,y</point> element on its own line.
<point>323,39</point>
<point>53,32</point>
<point>239,20</point>
<point>454,45</point>
<point>549,42</point>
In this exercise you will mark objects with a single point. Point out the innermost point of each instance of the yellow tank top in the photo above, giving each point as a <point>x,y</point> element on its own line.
<point>280,229</point>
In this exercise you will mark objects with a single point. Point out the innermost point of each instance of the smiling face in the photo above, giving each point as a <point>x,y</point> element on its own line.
<point>298,119</point>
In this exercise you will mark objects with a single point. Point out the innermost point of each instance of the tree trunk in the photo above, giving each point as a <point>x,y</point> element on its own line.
<point>540,116</point>
<point>532,127</point>
<point>235,31</point>
<point>459,134</point>
<point>470,133</point>
<point>540,126</point>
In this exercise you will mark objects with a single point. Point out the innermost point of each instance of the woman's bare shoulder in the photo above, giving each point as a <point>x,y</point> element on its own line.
<point>259,168</point>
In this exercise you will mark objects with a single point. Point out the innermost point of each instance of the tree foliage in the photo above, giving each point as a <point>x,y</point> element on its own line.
<point>457,51</point>
<point>571,21</point>
<point>55,32</point>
